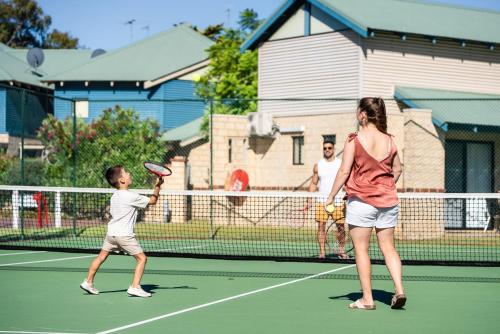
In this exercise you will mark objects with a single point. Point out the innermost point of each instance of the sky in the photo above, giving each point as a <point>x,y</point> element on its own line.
<point>103,23</point>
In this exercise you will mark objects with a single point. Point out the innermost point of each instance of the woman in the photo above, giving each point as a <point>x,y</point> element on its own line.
<point>371,167</point>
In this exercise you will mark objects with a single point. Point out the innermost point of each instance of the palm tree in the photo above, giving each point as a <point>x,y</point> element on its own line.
<point>248,20</point>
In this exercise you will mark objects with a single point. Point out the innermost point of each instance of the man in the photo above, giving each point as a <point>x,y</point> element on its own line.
<point>324,173</point>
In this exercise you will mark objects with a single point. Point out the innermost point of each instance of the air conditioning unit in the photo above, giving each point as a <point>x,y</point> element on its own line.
<point>261,125</point>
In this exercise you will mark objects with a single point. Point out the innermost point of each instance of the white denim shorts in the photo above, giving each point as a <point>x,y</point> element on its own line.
<point>362,214</point>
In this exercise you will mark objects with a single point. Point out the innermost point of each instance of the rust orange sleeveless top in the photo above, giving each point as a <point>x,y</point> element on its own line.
<point>372,180</point>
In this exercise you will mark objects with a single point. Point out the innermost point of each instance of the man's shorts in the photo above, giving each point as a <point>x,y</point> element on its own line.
<point>128,244</point>
<point>337,215</point>
<point>363,214</point>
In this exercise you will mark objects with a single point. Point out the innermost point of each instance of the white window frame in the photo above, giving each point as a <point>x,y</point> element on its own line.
<point>82,108</point>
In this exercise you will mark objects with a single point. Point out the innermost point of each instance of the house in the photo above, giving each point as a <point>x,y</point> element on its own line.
<point>16,74</point>
<point>437,66</point>
<point>152,76</point>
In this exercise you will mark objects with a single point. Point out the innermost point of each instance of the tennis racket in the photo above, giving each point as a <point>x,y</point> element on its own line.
<point>337,235</point>
<point>297,218</point>
<point>157,169</point>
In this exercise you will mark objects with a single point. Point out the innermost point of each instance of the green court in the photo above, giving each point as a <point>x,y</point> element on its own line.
<point>40,294</point>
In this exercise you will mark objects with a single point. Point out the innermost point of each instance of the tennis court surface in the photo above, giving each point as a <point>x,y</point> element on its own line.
<point>242,262</point>
<point>40,294</point>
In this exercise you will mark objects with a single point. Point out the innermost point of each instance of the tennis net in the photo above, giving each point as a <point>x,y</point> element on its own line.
<point>432,228</point>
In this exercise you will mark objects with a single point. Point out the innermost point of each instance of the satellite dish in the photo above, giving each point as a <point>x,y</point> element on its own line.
<point>97,52</point>
<point>35,57</point>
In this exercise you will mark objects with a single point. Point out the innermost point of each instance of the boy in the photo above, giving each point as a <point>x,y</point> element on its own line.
<point>120,235</point>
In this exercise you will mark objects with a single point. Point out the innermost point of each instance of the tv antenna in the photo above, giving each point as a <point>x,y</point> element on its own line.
<point>131,24</point>
<point>146,27</point>
<point>228,12</point>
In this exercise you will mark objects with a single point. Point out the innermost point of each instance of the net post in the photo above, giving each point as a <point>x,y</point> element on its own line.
<point>15,209</point>
<point>21,197</point>
<point>73,173</point>
<point>57,209</point>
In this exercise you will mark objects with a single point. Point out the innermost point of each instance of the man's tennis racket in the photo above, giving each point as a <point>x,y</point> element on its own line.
<point>337,234</point>
<point>297,218</point>
<point>157,169</point>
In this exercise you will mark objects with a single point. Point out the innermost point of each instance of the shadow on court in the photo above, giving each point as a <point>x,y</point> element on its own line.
<point>378,295</point>
<point>152,288</point>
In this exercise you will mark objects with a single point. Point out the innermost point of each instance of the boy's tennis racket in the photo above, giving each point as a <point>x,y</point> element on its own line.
<point>157,169</point>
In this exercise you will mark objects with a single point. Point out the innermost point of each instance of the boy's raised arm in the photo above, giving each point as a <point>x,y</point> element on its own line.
<point>156,192</point>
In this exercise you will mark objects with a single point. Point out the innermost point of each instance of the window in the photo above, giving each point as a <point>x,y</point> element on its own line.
<point>230,151</point>
<point>469,166</point>
<point>82,108</point>
<point>298,145</point>
<point>31,151</point>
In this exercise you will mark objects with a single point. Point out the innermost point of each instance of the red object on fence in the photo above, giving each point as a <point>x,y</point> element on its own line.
<point>41,203</point>
<point>238,181</point>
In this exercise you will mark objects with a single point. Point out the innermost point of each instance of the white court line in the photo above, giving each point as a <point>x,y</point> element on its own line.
<point>135,324</point>
<point>21,332</point>
<point>171,249</point>
<point>20,254</point>
<point>51,260</point>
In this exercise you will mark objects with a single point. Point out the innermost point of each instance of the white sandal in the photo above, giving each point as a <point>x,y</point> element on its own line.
<point>358,306</point>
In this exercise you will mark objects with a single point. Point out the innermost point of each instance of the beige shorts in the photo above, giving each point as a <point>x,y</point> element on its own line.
<point>128,244</point>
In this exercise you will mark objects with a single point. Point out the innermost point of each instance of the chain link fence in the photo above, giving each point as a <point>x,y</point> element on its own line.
<point>446,144</point>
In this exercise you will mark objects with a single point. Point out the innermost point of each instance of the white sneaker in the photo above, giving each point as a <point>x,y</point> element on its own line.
<point>89,288</point>
<point>138,292</point>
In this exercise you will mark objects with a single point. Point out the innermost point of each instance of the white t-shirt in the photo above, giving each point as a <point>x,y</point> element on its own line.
<point>124,205</point>
<point>327,172</point>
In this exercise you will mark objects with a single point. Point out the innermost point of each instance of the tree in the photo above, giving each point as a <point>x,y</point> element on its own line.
<point>214,31</point>
<point>60,40</point>
<point>249,20</point>
<point>23,24</point>
<point>231,80</point>
<point>118,136</point>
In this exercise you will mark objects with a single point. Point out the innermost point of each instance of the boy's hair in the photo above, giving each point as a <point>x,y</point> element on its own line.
<point>113,174</point>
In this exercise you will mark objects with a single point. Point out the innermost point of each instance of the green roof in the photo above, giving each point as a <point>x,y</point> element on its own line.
<point>14,69</point>
<point>57,60</point>
<point>453,109</point>
<point>412,17</point>
<point>184,132</point>
<point>14,66</point>
<point>420,17</point>
<point>148,59</point>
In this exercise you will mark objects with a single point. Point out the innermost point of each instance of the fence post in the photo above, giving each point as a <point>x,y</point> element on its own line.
<point>23,97</point>
<point>73,173</point>
<point>23,106</point>
<point>211,140</point>
<point>211,176</point>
